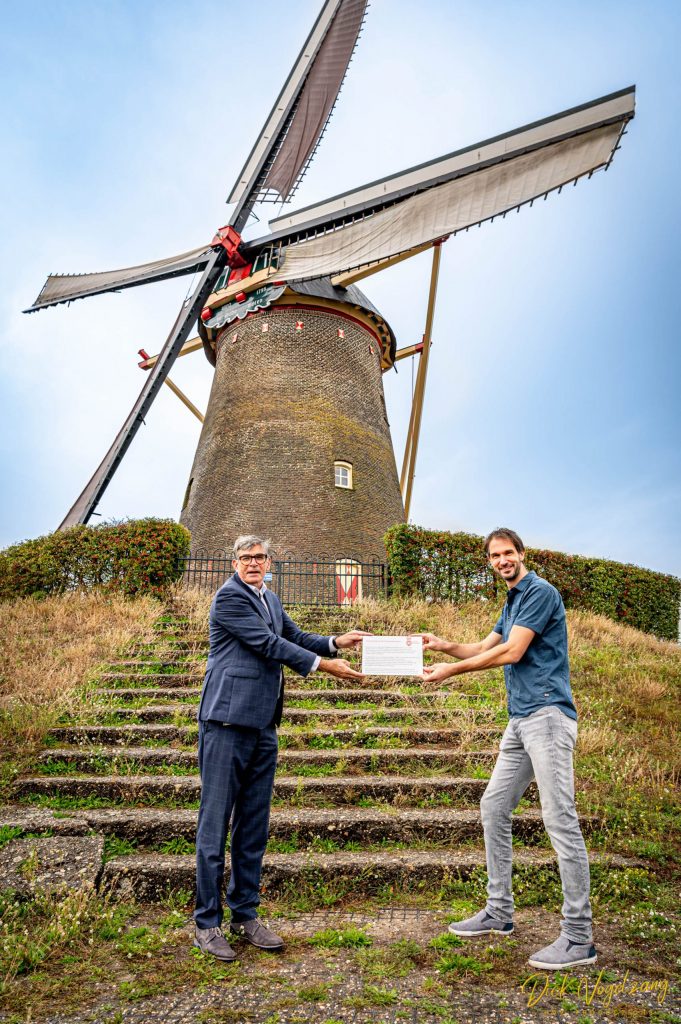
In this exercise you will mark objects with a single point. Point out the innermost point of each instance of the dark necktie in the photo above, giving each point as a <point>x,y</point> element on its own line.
<point>265,606</point>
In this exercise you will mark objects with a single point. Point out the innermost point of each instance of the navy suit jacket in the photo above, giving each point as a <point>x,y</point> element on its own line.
<point>243,675</point>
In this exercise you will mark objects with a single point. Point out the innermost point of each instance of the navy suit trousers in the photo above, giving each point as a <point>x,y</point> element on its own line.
<point>237,766</point>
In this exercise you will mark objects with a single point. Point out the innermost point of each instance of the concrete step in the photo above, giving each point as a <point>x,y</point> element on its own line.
<point>298,716</point>
<point>166,646</point>
<point>182,790</point>
<point>148,827</point>
<point>352,759</point>
<point>144,668</point>
<point>169,693</point>
<point>175,685</point>
<point>436,698</point>
<point>170,662</point>
<point>310,699</point>
<point>145,677</point>
<point>126,735</point>
<point>149,878</point>
<point>175,639</point>
<point>145,680</point>
<point>176,628</point>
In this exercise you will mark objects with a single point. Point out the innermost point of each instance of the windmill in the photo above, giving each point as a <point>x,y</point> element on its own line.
<point>309,460</point>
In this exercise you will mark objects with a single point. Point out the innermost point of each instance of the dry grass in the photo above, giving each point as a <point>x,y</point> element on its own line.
<point>595,630</point>
<point>597,739</point>
<point>193,604</point>
<point>626,685</point>
<point>467,622</point>
<point>49,648</point>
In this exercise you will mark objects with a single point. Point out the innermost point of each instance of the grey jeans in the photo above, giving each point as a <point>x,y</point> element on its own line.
<point>539,746</point>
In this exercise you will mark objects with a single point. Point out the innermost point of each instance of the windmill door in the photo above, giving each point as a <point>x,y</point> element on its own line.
<point>348,581</point>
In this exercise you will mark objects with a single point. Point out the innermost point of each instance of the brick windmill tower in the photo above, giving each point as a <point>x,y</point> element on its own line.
<point>295,441</point>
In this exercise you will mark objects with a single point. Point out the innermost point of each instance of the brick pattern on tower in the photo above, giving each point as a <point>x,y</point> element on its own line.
<point>295,390</point>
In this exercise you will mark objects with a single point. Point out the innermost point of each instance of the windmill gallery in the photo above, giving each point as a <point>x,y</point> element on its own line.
<point>286,307</point>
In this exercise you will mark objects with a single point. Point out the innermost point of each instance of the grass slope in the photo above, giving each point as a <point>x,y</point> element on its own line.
<point>49,653</point>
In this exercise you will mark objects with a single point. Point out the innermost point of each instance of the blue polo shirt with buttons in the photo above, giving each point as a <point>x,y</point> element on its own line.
<point>542,676</point>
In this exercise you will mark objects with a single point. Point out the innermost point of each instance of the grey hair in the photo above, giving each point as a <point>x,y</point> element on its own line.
<point>247,541</point>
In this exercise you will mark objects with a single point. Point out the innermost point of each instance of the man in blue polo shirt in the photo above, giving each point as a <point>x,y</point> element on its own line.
<point>530,641</point>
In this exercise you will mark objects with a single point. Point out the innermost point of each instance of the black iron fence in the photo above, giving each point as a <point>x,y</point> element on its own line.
<point>309,581</point>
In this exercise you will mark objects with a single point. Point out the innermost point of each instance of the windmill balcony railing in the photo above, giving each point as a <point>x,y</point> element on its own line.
<point>323,580</point>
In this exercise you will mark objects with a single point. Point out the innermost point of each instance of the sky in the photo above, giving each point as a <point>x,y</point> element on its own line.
<point>552,401</point>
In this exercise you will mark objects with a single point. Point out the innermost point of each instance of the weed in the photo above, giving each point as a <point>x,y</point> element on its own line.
<point>112,919</point>
<point>337,938</point>
<point>177,900</point>
<point>290,845</point>
<point>461,964</point>
<point>177,845</point>
<point>38,929</point>
<point>321,845</point>
<point>28,868</point>
<point>7,834</point>
<point>115,847</point>
<point>374,995</point>
<point>446,942</point>
<point>313,993</point>
<point>311,890</point>
<point>395,961</point>
<point>130,991</point>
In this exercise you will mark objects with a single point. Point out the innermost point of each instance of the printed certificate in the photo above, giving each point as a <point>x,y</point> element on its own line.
<point>392,656</point>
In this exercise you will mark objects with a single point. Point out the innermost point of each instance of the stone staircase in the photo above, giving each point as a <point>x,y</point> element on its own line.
<point>377,784</point>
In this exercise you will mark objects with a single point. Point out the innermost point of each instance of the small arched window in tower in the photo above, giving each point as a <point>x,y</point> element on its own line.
<point>343,475</point>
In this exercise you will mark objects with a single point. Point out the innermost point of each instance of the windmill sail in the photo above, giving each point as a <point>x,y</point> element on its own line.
<point>296,124</point>
<point>84,505</point>
<point>277,162</point>
<point>68,287</point>
<point>442,197</point>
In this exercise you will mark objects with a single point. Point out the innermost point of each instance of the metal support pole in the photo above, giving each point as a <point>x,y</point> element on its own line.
<point>406,460</point>
<point>183,398</point>
<point>411,450</point>
<point>410,350</point>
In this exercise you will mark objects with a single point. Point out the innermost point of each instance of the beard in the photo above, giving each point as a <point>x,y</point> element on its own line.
<point>509,577</point>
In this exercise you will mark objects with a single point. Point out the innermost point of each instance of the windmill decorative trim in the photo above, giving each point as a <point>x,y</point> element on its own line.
<point>316,255</point>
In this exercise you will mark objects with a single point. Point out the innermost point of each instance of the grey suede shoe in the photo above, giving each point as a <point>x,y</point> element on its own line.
<point>481,924</point>
<point>211,940</point>
<point>258,935</point>
<point>562,953</point>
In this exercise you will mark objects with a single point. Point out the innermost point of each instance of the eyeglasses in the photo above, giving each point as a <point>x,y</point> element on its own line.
<point>247,559</point>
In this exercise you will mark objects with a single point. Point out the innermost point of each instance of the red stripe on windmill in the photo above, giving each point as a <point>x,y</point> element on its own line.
<point>322,393</point>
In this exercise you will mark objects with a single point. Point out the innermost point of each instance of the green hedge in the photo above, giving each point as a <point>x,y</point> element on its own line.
<point>453,567</point>
<point>142,556</point>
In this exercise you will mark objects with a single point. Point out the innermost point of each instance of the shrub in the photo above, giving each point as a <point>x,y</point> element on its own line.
<point>142,556</point>
<point>452,567</point>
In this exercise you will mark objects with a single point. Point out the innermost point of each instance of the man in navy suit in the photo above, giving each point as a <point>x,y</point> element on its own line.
<point>251,638</point>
